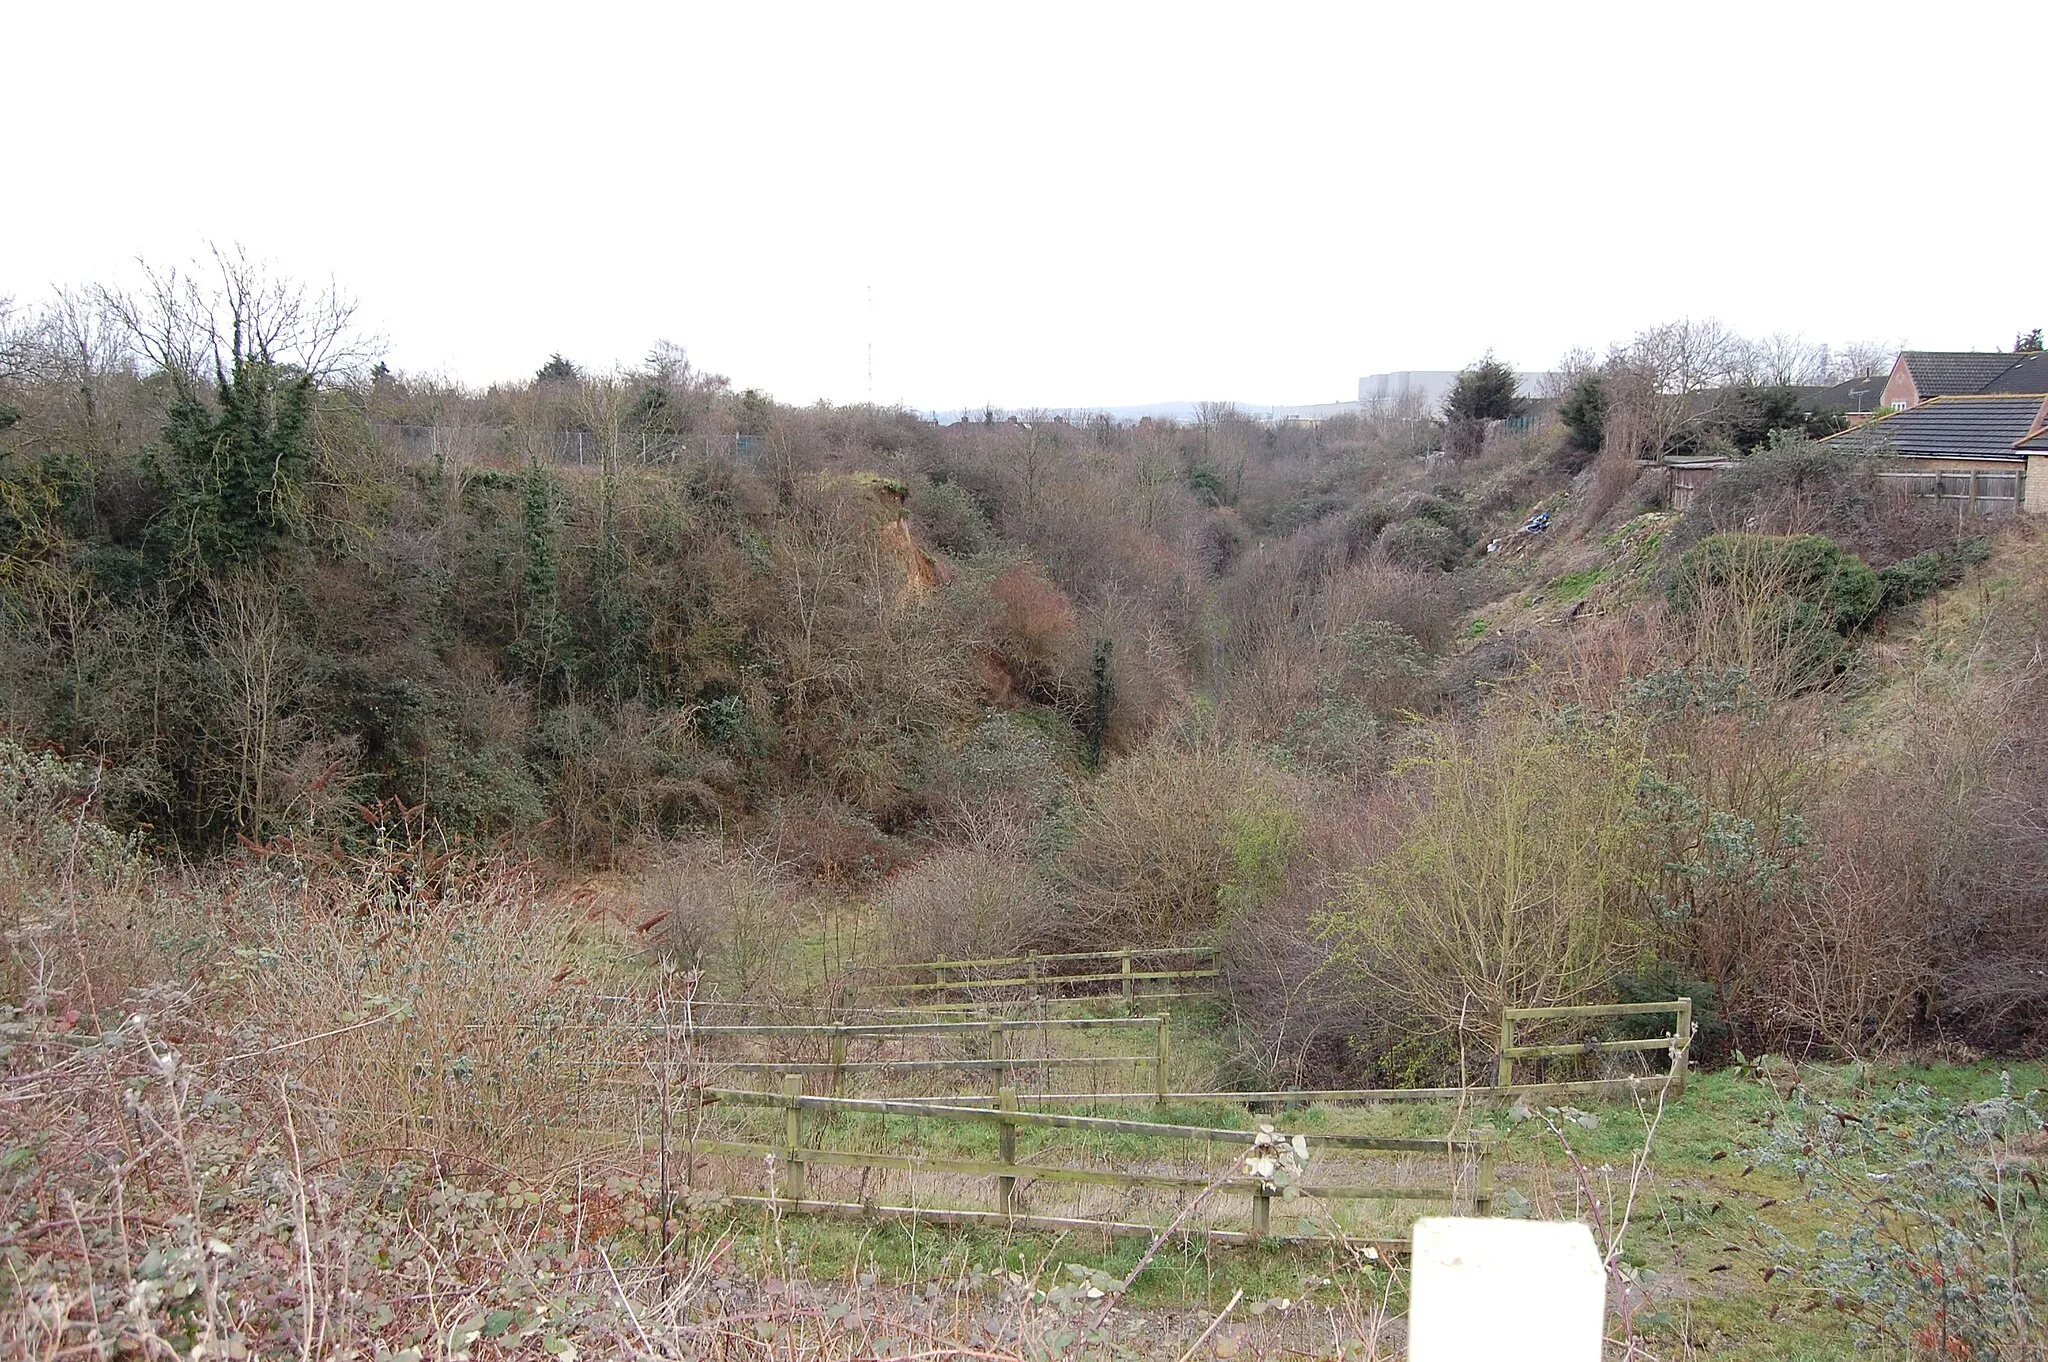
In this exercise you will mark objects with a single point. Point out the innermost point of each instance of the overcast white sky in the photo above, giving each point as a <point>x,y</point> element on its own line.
<point>1053,204</point>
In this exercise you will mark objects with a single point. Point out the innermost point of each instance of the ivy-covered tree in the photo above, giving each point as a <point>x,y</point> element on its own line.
<point>233,461</point>
<point>544,631</point>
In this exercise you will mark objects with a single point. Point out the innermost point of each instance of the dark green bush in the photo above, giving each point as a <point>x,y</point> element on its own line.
<point>1923,574</point>
<point>949,514</point>
<point>1780,606</point>
<point>1420,543</point>
<point>1584,413</point>
<point>1827,588</point>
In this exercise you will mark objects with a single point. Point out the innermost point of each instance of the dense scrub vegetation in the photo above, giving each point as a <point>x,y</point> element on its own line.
<point>352,721</point>
<point>1029,682</point>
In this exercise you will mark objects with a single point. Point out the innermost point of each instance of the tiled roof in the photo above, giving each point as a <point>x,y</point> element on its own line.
<point>1955,373</point>
<point>1974,427</point>
<point>1858,394</point>
<point>2037,443</point>
<point>2028,374</point>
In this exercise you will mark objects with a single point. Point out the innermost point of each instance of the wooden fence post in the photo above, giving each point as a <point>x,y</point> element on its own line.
<point>999,1051</point>
<point>1006,1151</point>
<point>1160,1056</point>
<point>1681,1045</point>
<point>1130,1002</point>
<point>1507,1043</point>
<point>838,1063</point>
<point>792,1137</point>
<point>1482,1191</point>
<point>1262,1212</point>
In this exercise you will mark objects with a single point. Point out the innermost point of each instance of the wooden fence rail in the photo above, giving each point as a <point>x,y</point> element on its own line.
<point>989,962</point>
<point>1047,971</point>
<point>867,1030</point>
<point>1677,1043</point>
<point>795,1157</point>
<point>996,1032</point>
<point>1297,1098</point>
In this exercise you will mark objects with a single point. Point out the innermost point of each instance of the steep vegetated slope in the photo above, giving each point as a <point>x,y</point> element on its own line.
<point>1412,734</point>
<point>350,716</point>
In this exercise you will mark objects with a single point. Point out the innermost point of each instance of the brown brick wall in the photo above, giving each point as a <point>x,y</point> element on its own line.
<point>1899,390</point>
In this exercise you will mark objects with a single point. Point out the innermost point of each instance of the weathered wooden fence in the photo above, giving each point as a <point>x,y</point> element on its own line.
<point>658,1084</point>
<point>1973,492</point>
<point>1000,1060</point>
<point>1676,1043</point>
<point>1137,974</point>
<point>794,1157</point>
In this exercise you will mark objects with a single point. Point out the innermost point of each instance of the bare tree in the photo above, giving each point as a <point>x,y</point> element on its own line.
<point>13,340</point>
<point>1226,442</point>
<point>249,682</point>
<point>1863,359</point>
<point>1571,366</point>
<point>1668,380</point>
<point>205,317</point>
<point>1035,451</point>
<point>1153,470</point>
<point>1784,359</point>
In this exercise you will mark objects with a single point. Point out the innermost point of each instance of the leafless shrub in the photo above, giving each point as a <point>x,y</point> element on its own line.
<point>1991,881</point>
<point>1295,1021</point>
<point>829,842</point>
<point>1150,848</point>
<point>1034,633</point>
<point>418,1001</point>
<point>966,903</point>
<point>724,915</point>
<point>1848,959</point>
<point>1512,883</point>
<point>644,773</point>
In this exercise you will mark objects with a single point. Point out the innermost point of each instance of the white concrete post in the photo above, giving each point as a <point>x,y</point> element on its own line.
<point>1485,1290</point>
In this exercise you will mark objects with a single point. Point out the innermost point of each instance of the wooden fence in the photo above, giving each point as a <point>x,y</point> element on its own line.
<point>630,1082</point>
<point>1138,974</point>
<point>794,1158</point>
<point>1974,492</point>
<point>999,1061</point>
<point>1002,1063</point>
<point>1675,1044</point>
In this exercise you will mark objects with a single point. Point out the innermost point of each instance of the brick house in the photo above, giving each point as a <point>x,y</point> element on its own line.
<point>1966,428</point>
<point>1923,375</point>
<point>1984,452</point>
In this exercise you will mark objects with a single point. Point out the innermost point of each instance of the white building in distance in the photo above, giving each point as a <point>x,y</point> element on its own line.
<point>1428,387</point>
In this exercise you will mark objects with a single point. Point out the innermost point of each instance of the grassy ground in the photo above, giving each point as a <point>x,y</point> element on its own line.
<point>1704,1216</point>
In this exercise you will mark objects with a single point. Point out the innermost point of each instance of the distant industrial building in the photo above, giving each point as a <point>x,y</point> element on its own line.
<point>1429,387</point>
